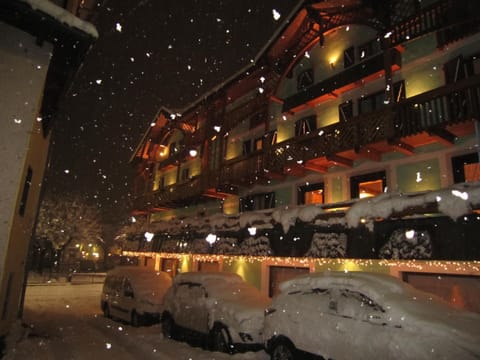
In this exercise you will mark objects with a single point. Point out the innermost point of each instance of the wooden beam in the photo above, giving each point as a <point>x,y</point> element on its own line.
<point>370,153</point>
<point>443,136</point>
<point>213,193</point>
<point>340,160</point>
<point>294,170</point>
<point>276,99</point>
<point>313,167</point>
<point>402,147</point>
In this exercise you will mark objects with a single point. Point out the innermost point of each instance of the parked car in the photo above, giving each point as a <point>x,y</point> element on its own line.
<point>219,308</point>
<point>358,315</point>
<point>134,294</point>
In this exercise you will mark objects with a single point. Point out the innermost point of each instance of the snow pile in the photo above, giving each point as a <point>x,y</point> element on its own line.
<point>259,219</point>
<point>169,245</point>
<point>454,202</point>
<point>63,16</point>
<point>407,244</point>
<point>199,246</point>
<point>287,217</point>
<point>328,245</point>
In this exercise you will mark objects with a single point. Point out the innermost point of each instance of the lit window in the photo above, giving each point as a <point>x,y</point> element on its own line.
<point>370,188</point>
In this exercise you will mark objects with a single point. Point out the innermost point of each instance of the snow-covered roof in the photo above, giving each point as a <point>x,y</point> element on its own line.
<point>203,277</point>
<point>377,282</point>
<point>455,201</point>
<point>62,15</point>
<point>144,280</point>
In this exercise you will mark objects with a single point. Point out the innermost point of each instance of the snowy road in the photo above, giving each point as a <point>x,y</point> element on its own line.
<point>66,323</point>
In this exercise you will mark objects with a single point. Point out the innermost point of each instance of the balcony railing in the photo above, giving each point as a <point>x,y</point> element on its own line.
<point>452,18</point>
<point>348,76</point>
<point>429,111</point>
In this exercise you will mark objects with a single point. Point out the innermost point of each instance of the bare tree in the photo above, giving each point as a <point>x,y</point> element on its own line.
<point>64,221</point>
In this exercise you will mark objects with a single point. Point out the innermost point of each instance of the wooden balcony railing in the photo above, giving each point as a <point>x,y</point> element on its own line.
<point>243,171</point>
<point>426,112</point>
<point>452,18</point>
<point>429,111</point>
<point>349,76</point>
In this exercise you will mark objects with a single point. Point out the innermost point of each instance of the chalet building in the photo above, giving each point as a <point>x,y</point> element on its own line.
<point>348,100</point>
<point>41,47</point>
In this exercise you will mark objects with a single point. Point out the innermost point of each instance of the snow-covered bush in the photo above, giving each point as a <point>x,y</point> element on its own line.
<point>407,244</point>
<point>226,246</point>
<point>328,245</point>
<point>170,246</point>
<point>199,246</point>
<point>259,246</point>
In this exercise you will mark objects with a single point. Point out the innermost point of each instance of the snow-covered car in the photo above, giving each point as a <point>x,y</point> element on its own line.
<point>134,294</point>
<point>219,308</point>
<point>359,315</point>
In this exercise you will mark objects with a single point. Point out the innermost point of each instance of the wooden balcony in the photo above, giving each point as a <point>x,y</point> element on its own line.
<point>452,19</point>
<point>439,115</point>
<point>341,81</point>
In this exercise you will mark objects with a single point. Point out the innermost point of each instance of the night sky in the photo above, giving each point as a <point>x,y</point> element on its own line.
<point>157,53</point>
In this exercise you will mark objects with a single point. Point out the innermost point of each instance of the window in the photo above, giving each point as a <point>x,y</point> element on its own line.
<point>170,266</point>
<point>311,194</point>
<point>368,49</point>
<point>371,103</point>
<point>367,185</point>
<point>348,57</point>
<point>26,190</point>
<point>305,79</point>
<point>345,111</point>
<point>305,125</point>
<point>355,305</point>
<point>466,168</point>
<point>257,202</point>
<point>376,101</point>
<point>185,174</point>
<point>247,147</point>
<point>172,149</point>
<point>250,145</point>
<point>454,70</point>
<point>258,144</point>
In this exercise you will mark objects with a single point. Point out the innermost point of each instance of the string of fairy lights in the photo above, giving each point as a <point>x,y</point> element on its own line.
<point>434,266</point>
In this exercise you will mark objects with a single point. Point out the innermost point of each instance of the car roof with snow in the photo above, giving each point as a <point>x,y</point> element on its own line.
<point>226,286</point>
<point>376,284</point>
<point>207,277</point>
<point>141,278</point>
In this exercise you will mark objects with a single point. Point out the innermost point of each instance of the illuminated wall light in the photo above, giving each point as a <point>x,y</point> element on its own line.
<point>409,234</point>
<point>148,236</point>
<point>419,177</point>
<point>211,238</point>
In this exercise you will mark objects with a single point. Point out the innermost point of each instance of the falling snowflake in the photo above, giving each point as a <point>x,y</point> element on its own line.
<point>98,81</point>
<point>276,14</point>
<point>118,27</point>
